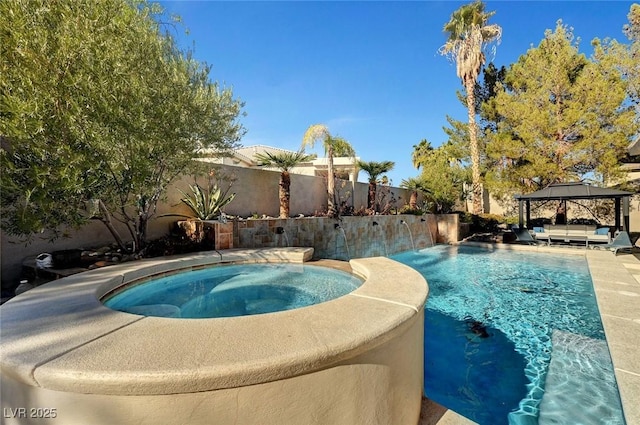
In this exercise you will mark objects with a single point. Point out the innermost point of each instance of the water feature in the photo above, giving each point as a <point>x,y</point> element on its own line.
<point>234,290</point>
<point>282,231</point>
<point>344,235</point>
<point>384,240</point>
<point>515,338</point>
<point>432,239</point>
<point>410,235</point>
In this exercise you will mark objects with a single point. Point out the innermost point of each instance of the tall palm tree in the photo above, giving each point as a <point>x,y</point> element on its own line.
<point>373,170</point>
<point>469,35</point>
<point>284,162</point>
<point>332,146</point>
<point>415,185</point>
<point>420,151</point>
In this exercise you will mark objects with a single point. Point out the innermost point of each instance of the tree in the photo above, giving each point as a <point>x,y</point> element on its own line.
<point>493,80</point>
<point>458,131</point>
<point>415,185</point>
<point>443,177</point>
<point>283,161</point>
<point>99,108</point>
<point>374,170</point>
<point>561,119</point>
<point>469,34</point>
<point>631,68</point>
<point>625,58</point>
<point>332,146</point>
<point>420,151</point>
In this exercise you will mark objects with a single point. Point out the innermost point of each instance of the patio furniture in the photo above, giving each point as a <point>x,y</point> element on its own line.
<point>569,233</point>
<point>622,241</point>
<point>523,236</point>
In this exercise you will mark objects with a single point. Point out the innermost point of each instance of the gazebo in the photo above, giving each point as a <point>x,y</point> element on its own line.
<point>573,191</point>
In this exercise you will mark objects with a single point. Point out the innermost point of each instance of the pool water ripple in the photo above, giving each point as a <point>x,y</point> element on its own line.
<point>530,298</point>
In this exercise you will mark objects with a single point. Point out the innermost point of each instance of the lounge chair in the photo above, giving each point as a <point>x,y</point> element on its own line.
<point>620,242</point>
<point>523,236</point>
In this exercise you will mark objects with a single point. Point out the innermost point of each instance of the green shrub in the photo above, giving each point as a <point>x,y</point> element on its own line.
<point>485,223</point>
<point>408,210</point>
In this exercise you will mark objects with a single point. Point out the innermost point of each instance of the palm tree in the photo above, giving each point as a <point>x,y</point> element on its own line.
<point>374,169</point>
<point>332,146</point>
<point>284,162</point>
<point>415,185</point>
<point>420,151</point>
<point>469,34</point>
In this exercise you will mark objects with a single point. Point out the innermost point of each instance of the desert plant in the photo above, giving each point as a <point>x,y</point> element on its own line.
<point>205,204</point>
<point>386,199</point>
<point>407,209</point>
<point>415,185</point>
<point>283,161</point>
<point>332,145</point>
<point>373,170</point>
<point>468,35</point>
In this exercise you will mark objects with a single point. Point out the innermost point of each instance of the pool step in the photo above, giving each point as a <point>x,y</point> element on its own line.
<point>571,395</point>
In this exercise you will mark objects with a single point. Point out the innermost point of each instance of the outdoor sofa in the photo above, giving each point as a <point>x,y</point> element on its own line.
<point>570,233</point>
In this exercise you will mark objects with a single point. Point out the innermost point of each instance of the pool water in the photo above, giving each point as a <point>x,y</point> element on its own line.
<point>234,290</point>
<point>515,338</point>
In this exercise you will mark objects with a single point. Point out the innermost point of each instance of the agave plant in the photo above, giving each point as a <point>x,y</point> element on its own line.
<point>205,204</point>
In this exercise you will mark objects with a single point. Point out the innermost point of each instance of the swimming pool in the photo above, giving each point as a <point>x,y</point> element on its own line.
<point>233,290</point>
<point>515,337</point>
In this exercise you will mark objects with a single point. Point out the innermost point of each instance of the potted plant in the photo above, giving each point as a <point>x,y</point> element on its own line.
<point>204,204</point>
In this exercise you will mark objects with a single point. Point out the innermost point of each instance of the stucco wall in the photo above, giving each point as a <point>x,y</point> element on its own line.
<point>257,193</point>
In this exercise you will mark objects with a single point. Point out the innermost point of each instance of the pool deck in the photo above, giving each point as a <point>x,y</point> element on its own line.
<point>617,286</point>
<point>616,280</point>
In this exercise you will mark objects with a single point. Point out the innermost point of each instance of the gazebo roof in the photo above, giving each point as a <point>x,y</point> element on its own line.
<point>578,190</point>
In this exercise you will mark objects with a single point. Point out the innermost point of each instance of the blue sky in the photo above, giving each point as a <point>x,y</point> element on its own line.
<point>369,70</point>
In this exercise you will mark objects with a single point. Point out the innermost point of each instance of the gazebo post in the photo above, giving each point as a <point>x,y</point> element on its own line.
<point>528,213</point>
<point>625,213</point>
<point>520,217</point>
<point>617,214</point>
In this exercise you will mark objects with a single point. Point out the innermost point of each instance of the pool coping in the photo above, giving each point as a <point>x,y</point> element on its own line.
<point>60,337</point>
<point>617,294</point>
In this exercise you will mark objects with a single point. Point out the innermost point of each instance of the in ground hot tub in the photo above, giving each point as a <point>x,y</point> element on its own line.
<point>233,290</point>
<point>356,359</point>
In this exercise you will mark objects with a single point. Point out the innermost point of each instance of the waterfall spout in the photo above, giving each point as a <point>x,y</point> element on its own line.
<point>344,235</point>
<point>384,241</point>
<point>281,231</point>
<point>410,235</point>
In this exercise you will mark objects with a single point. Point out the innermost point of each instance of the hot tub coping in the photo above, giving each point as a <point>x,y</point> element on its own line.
<point>60,337</point>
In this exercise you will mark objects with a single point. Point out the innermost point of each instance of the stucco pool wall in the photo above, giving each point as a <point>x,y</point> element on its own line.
<point>354,360</point>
